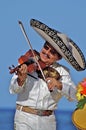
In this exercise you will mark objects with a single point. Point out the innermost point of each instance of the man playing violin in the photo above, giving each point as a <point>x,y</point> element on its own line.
<point>37,97</point>
<point>35,102</point>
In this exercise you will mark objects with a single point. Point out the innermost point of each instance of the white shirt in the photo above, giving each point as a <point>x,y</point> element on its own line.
<point>34,93</point>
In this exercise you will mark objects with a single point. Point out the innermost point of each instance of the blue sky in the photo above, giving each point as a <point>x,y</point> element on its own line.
<point>67,16</point>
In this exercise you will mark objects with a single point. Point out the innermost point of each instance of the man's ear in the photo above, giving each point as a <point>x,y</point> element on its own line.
<point>60,57</point>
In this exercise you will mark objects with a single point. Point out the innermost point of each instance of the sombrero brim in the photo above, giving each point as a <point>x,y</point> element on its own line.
<point>62,44</point>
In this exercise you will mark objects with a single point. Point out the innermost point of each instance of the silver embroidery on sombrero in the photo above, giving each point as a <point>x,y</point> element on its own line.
<point>53,34</point>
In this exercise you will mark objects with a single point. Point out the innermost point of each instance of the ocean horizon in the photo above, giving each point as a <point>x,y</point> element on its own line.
<point>63,118</point>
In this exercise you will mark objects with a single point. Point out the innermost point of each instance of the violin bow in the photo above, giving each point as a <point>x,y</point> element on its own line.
<point>28,41</point>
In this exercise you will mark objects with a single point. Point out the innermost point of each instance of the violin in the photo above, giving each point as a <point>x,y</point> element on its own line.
<point>32,66</point>
<point>28,59</point>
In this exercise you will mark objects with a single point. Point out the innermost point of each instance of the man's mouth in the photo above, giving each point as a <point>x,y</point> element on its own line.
<point>45,55</point>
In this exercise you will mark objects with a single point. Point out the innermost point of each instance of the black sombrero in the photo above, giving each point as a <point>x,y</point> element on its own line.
<point>64,45</point>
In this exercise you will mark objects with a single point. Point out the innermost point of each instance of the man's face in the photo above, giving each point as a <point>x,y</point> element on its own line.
<point>48,54</point>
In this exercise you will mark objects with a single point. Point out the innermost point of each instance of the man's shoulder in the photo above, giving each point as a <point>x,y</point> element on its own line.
<point>61,68</point>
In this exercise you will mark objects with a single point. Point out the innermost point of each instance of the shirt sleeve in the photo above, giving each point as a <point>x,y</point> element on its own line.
<point>68,86</point>
<point>14,87</point>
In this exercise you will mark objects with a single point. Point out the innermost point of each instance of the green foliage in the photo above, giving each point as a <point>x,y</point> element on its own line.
<point>81,103</point>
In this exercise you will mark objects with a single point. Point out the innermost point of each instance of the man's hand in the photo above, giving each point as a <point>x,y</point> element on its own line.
<point>52,83</point>
<point>22,74</point>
